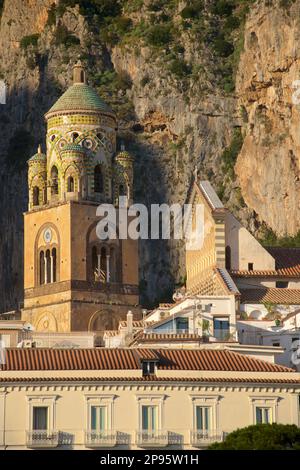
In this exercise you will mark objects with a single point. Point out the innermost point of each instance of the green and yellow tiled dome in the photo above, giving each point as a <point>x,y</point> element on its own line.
<point>80,97</point>
<point>38,157</point>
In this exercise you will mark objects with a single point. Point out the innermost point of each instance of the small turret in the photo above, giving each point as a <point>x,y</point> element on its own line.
<point>37,177</point>
<point>123,181</point>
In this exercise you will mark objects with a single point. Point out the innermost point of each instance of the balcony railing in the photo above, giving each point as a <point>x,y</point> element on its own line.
<point>100,438</point>
<point>42,438</point>
<point>147,438</point>
<point>205,438</point>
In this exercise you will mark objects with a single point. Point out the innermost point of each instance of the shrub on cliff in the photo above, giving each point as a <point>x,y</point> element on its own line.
<point>159,35</point>
<point>31,40</point>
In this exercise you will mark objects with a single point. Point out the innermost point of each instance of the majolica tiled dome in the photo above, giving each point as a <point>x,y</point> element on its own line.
<point>80,96</point>
<point>38,157</point>
<point>124,155</point>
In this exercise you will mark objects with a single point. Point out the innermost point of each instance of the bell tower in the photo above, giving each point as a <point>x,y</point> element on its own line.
<point>73,281</point>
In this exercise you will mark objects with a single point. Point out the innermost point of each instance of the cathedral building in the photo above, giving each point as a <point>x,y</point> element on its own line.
<point>73,280</point>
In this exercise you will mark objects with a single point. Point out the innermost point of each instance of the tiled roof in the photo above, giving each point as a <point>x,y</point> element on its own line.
<point>210,195</point>
<point>79,97</point>
<point>152,378</point>
<point>110,333</point>
<point>129,359</point>
<point>287,264</point>
<point>124,155</point>
<point>275,295</point>
<point>227,280</point>
<point>38,157</point>
<point>153,337</point>
<point>135,323</point>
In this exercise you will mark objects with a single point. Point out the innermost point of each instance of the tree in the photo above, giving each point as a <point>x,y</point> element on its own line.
<point>262,437</point>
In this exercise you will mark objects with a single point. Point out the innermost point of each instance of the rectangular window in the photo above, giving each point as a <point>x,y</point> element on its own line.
<point>282,284</point>
<point>263,415</point>
<point>182,325</point>
<point>40,418</point>
<point>148,367</point>
<point>98,418</point>
<point>221,328</point>
<point>149,418</point>
<point>250,266</point>
<point>203,418</point>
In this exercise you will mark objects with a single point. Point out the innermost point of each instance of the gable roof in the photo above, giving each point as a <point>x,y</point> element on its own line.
<point>129,359</point>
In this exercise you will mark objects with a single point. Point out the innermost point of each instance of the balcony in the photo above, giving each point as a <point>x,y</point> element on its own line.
<point>205,438</point>
<point>41,439</point>
<point>152,439</point>
<point>97,439</point>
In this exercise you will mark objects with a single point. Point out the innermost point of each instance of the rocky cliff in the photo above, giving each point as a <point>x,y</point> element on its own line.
<point>196,84</point>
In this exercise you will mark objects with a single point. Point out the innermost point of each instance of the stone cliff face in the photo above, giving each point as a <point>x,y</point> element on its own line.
<point>172,122</point>
<point>268,164</point>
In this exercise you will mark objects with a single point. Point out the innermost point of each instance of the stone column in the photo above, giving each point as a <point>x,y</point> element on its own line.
<point>107,268</point>
<point>46,274</point>
<point>51,269</point>
<point>99,266</point>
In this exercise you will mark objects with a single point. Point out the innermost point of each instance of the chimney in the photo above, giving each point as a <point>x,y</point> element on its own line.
<point>129,323</point>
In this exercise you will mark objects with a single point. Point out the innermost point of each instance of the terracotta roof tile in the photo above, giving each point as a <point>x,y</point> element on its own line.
<point>275,295</point>
<point>287,264</point>
<point>129,359</point>
<point>151,378</point>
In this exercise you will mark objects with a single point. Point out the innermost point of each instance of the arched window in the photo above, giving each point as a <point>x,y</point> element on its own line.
<point>54,180</point>
<point>94,261</point>
<point>70,184</point>
<point>98,179</point>
<point>228,257</point>
<point>36,196</point>
<point>42,268</point>
<point>112,264</point>
<point>75,135</point>
<point>82,78</point>
<point>103,265</point>
<point>53,265</point>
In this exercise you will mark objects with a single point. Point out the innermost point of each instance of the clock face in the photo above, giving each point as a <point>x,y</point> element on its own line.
<point>48,235</point>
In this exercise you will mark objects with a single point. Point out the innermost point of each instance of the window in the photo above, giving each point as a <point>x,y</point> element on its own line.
<point>42,268</point>
<point>36,196</point>
<point>149,417</point>
<point>98,179</point>
<point>221,328</point>
<point>148,367</point>
<point>182,324</point>
<point>40,418</point>
<point>264,409</point>
<point>75,135</point>
<point>263,415</point>
<point>282,284</point>
<point>228,257</point>
<point>70,184</point>
<point>54,180</point>
<point>275,343</point>
<point>98,418</point>
<point>203,418</point>
<point>250,266</point>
